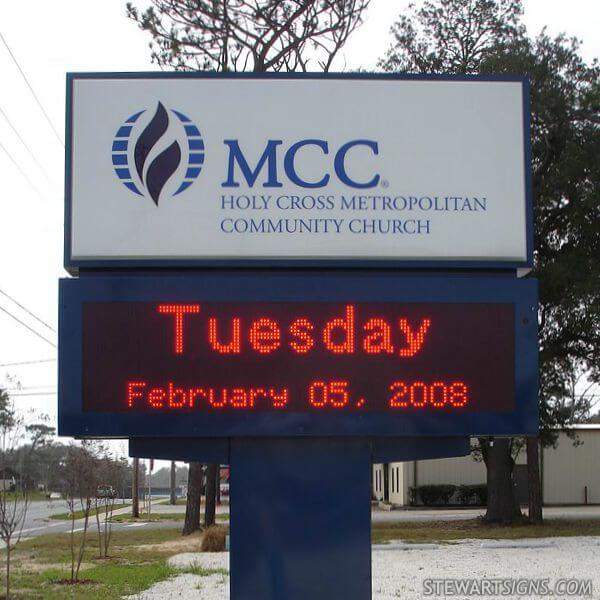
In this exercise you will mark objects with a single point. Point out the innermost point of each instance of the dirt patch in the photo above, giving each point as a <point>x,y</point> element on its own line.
<point>188,543</point>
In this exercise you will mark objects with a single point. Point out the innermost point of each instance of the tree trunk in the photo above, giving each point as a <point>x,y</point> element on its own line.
<point>86,520</point>
<point>173,498</point>
<point>72,539</point>
<point>135,499</point>
<point>533,481</point>
<point>502,505</point>
<point>8,568</point>
<point>99,529</point>
<point>211,495</point>
<point>218,484</point>
<point>192,506</point>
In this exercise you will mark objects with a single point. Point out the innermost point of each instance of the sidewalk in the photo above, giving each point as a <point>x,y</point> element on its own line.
<point>455,514</point>
<point>379,515</point>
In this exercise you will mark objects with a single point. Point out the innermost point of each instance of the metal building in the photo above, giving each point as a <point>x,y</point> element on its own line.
<point>570,473</point>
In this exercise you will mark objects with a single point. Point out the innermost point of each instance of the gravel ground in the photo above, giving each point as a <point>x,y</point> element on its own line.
<point>399,569</point>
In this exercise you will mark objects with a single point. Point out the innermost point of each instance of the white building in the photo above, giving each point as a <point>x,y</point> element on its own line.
<point>570,473</point>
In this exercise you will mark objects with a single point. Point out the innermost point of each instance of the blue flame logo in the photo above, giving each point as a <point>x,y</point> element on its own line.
<point>145,171</point>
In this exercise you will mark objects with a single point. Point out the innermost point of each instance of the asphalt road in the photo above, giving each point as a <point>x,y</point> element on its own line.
<point>43,528</point>
<point>38,520</point>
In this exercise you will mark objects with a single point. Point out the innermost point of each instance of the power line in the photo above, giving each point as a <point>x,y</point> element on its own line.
<point>27,326</point>
<point>31,154</point>
<point>27,388</point>
<point>28,362</point>
<point>32,90</point>
<point>27,311</point>
<point>25,176</point>
<point>17,395</point>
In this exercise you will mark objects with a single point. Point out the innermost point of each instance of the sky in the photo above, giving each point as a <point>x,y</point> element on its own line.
<point>95,35</point>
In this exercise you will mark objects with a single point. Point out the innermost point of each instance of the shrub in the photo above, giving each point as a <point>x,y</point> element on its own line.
<point>481,492</point>
<point>466,494</point>
<point>413,495</point>
<point>213,539</point>
<point>473,494</point>
<point>436,494</point>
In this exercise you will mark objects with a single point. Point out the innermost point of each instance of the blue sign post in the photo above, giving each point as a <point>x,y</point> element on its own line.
<point>300,518</point>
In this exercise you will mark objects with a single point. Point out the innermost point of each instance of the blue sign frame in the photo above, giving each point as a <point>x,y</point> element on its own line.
<point>73,266</point>
<point>297,286</point>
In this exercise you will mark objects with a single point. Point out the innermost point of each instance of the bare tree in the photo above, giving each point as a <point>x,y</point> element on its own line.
<point>452,36</point>
<point>14,502</point>
<point>107,476</point>
<point>248,35</point>
<point>80,490</point>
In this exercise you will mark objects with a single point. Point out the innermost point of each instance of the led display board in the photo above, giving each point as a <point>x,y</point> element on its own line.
<point>297,357</point>
<point>304,355</point>
<point>200,169</point>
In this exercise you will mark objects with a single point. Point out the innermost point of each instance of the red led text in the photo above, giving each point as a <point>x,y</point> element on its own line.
<point>178,311</point>
<point>345,334</point>
<point>426,395</point>
<point>140,394</point>
<point>332,394</point>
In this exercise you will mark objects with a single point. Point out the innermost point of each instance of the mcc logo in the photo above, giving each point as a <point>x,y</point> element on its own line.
<point>145,160</point>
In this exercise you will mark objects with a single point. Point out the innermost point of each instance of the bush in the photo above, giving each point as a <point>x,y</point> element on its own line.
<point>413,496</point>
<point>481,492</point>
<point>213,539</point>
<point>473,494</point>
<point>436,494</point>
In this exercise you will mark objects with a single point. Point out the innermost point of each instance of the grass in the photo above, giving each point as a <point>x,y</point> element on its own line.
<point>447,531</point>
<point>102,582</point>
<point>158,516</point>
<point>53,548</point>
<point>80,514</point>
<point>137,560</point>
<point>203,571</point>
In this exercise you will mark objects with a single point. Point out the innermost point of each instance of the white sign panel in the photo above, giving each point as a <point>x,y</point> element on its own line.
<point>168,169</point>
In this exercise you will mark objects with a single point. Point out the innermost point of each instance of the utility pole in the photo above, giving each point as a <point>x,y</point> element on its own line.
<point>173,482</point>
<point>151,465</point>
<point>135,501</point>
